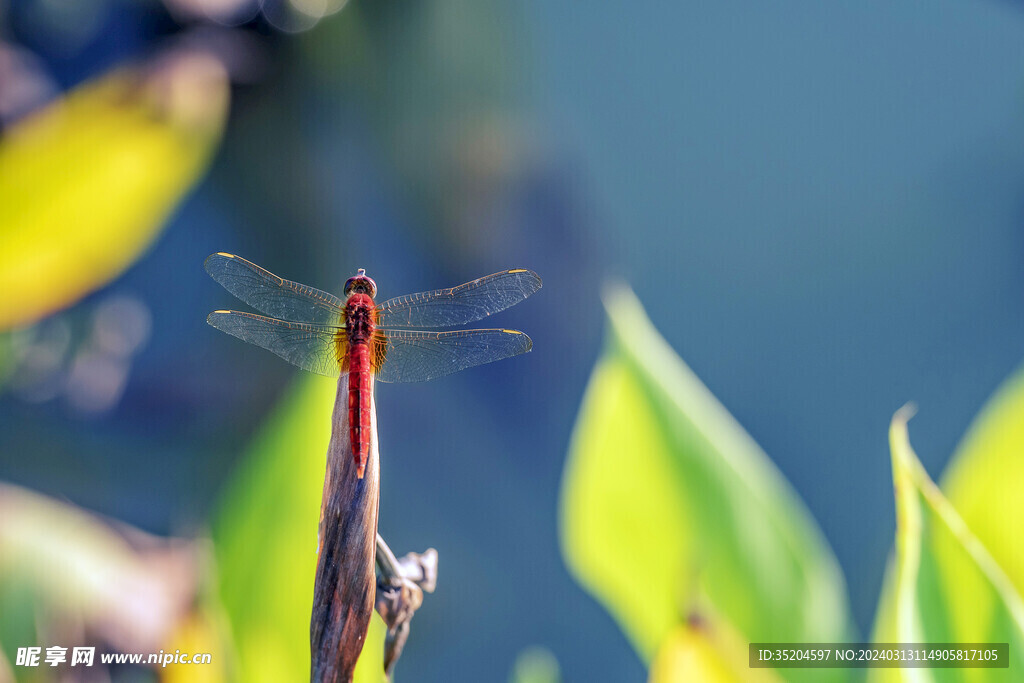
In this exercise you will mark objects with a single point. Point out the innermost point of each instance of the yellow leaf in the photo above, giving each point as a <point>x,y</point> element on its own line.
<point>701,652</point>
<point>196,634</point>
<point>87,182</point>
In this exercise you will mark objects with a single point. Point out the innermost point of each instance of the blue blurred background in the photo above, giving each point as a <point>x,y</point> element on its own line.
<point>820,205</point>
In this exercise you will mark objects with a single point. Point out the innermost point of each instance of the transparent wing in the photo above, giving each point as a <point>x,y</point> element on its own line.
<point>311,347</point>
<point>459,305</point>
<point>277,297</point>
<point>411,356</point>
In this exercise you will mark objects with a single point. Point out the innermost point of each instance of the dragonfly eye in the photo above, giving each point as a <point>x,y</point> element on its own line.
<point>361,284</point>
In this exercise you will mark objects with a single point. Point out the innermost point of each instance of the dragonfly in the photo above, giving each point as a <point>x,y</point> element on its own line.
<point>330,335</point>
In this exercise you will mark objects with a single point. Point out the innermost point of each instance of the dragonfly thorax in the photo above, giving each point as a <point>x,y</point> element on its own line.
<point>360,318</point>
<point>361,284</point>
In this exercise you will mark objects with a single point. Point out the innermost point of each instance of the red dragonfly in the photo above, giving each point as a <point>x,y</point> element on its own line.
<point>328,335</point>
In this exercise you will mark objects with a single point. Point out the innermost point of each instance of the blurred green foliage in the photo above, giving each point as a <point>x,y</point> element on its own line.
<point>65,572</point>
<point>944,586</point>
<point>264,535</point>
<point>680,526</point>
<point>670,512</point>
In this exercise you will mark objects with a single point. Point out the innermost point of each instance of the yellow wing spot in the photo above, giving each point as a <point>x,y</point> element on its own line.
<point>511,331</point>
<point>518,270</point>
<point>222,311</point>
<point>225,255</point>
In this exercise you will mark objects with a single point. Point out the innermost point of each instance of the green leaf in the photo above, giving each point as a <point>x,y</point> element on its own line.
<point>670,510</point>
<point>87,182</point>
<point>983,481</point>
<point>943,586</point>
<point>265,538</point>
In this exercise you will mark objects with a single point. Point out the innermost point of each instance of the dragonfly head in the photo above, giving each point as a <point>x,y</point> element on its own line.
<point>361,284</point>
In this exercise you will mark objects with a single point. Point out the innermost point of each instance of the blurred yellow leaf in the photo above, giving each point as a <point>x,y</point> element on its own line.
<point>943,585</point>
<point>667,504</point>
<point>698,652</point>
<point>197,634</point>
<point>265,538</point>
<point>983,481</point>
<point>87,182</point>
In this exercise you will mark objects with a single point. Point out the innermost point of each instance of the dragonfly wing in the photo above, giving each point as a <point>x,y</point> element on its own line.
<point>311,347</point>
<point>460,305</point>
<point>275,296</point>
<point>412,356</point>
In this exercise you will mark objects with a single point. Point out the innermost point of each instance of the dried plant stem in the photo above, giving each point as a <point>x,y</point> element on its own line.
<point>401,584</point>
<point>386,561</point>
<point>343,595</point>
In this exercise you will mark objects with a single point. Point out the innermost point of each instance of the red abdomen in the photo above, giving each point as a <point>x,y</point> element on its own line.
<point>359,324</point>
